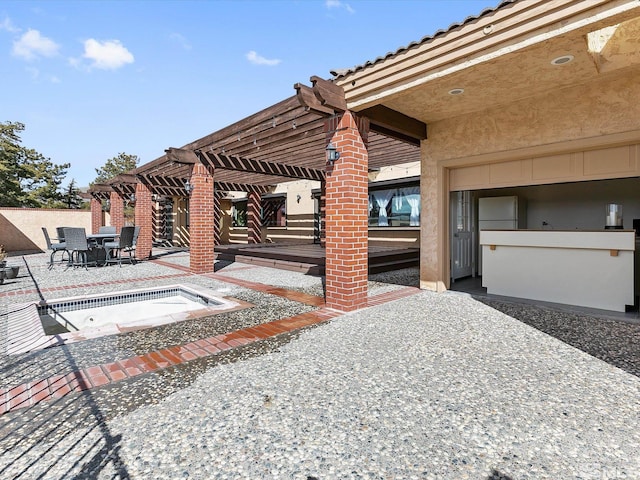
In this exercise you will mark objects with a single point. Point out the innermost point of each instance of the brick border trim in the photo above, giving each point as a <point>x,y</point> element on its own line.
<point>58,386</point>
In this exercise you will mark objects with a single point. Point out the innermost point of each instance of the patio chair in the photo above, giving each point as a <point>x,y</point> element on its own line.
<point>60,233</point>
<point>54,247</point>
<point>78,247</point>
<point>123,243</point>
<point>132,248</point>
<point>107,229</point>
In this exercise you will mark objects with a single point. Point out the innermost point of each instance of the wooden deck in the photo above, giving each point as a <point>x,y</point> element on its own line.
<point>310,258</point>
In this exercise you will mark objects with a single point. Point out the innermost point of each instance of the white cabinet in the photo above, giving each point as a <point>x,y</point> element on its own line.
<point>591,269</point>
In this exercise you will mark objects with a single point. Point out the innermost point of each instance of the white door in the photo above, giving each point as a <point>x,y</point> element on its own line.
<point>461,235</point>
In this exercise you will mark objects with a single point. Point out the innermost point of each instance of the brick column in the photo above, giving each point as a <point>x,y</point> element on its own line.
<point>346,214</point>
<point>144,220</point>
<point>96,215</point>
<point>116,211</point>
<point>201,220</point>
<point>254,222</point>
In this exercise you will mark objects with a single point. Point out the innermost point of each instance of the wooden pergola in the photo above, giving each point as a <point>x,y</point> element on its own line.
<point>283,142</point>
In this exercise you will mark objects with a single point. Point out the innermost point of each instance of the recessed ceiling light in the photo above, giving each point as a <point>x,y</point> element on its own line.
<point>562,60</point>
<point>456,91</point>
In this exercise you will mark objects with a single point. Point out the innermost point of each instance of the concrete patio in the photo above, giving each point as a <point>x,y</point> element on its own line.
<point>417,385</point>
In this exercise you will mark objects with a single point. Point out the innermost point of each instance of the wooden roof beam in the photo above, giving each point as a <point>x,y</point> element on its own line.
<point>266,137</point>
<point>264,150</point>
<point>164,181</point>
<point>170,191</point>
<point>122,179</point>
<point>229,162</point>
<point>310,102</point>
<point>329,94</point>
<point>181,155</point>
<point>240,187</point>
<point>394,124</point>
<point>164,185</point>
<point>252,121</point>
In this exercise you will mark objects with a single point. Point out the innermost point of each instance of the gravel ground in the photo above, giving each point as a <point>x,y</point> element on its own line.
<point>434,386</point>
<point>614,341</point>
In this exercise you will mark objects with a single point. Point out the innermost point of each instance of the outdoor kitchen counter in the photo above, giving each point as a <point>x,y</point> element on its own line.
<point>576,267</point>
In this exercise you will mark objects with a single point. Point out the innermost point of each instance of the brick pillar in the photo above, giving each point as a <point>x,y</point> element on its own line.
<point>96,215</point>
<point>217,219</point>
<point>346,214</point>
<point>201,220</point>
<point>144,220</point>
<point>116,211</point>
<point>254,222</point>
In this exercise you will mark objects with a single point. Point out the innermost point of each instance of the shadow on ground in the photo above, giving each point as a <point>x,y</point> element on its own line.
<point>613,341</point>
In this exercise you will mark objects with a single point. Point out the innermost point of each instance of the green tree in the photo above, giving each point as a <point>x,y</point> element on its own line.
<point>121,163</point>
<point>27,178</point>
<point>71,196</point>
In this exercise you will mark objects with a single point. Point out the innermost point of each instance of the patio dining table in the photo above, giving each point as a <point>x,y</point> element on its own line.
<point>99,254</point>
<point>100,238</point>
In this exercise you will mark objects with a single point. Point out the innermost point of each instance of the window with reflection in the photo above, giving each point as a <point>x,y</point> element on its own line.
<point>394,207</point>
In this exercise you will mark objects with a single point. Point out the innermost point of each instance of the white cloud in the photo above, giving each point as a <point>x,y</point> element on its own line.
<point>338,4</point>
<point>256,59</point>
<point>8,26</point>
<point>107,55</point>
<point>180,40</point>
<point>32,45</point>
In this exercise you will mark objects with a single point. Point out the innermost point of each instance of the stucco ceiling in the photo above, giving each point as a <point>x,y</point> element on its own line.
<point>513,75</point>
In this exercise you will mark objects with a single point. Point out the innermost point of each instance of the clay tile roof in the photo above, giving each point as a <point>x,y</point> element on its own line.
<point>342,72</point>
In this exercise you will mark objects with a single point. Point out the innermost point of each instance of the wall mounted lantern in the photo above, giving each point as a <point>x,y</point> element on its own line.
<point>332,153</point>
<point>188,187</point>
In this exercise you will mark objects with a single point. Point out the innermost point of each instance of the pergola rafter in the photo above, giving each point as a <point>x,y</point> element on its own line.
<point>229,162</point>
<point>124,184</point>
<point>100,191</point>
<point>241,187</point>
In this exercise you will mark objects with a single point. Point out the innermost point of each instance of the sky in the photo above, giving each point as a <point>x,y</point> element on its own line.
<point>91,79</point>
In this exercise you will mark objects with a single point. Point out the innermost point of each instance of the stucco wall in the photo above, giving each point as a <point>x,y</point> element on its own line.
<point>21,228</point>
<point>607,106</point>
